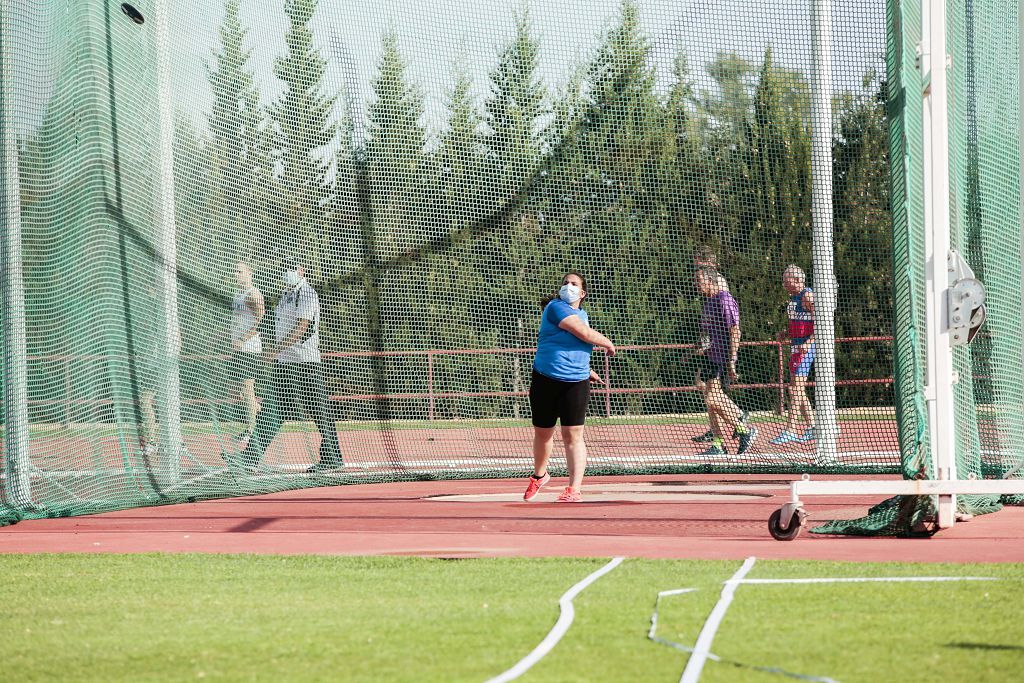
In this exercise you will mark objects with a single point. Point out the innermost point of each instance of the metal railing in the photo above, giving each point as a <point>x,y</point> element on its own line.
<point>431,395</point>
<point>608,390</point>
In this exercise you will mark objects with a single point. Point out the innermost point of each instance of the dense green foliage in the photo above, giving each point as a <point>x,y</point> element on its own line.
<point>419,238</point>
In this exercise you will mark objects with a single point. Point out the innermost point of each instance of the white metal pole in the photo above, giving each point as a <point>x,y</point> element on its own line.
<point>18,485</point>
<point>940,373</point>
<point>825,286</point>
<point>167,253</point>
<point>1020,158</point>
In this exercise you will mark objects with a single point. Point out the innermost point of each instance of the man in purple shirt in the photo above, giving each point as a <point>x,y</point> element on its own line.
<point>720,327</point>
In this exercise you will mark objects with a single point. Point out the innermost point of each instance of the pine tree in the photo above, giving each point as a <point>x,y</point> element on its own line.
<point>239,164</point>
<point>775,225</point>
<point>397,219</point>
<point>396,164</point>
<point>451,280</point>
<point>863,238</point>
<point>724,114</point>
<point>684,189</point>
<point>304,130</point>
<point>204,269</point>
<point>513,111</point>
<point>511,251</point>
<point>461,161</point>
<point>343,298</point>
<point>623,242</point>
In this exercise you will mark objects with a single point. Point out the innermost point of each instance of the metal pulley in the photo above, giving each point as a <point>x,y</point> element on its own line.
<point>966,308</point>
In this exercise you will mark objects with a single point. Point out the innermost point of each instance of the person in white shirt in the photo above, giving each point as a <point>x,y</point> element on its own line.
<point>247,312</point>
<point>297,376</point>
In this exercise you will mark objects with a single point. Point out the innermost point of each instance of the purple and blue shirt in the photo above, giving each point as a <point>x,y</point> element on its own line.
<point>720,314</point>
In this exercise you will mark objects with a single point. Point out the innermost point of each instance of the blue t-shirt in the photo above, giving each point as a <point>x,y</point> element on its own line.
<point>561,354</point>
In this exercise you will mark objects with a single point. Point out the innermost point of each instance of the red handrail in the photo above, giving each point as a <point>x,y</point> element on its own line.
<point>431,396</point>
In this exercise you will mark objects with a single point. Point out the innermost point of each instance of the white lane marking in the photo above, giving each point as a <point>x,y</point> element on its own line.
<point>654,615</point>
<point>565,618</point>
<point>652,635</point>
<point>694,666</point>
<point>887,579</point>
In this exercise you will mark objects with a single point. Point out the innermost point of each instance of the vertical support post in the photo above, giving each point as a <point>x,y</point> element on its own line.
<point>516,386</point>
<point>607,385</point>
<point>782,378</point>
<point>68,398</point>
<point>940,373</point>
<point>825,286</point>
<point>430,385</point>
<point>17,484</point>
<point>1020,155</point>
<point>167,254</point>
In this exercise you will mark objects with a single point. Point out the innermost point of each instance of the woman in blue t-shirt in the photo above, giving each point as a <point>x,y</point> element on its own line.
<point>560,386</point>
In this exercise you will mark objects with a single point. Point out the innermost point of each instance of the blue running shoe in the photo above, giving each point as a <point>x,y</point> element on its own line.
<point>786,437</point>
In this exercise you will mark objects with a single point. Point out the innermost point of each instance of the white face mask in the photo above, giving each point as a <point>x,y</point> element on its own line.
<point>290,278</point>
<point>570,294</point>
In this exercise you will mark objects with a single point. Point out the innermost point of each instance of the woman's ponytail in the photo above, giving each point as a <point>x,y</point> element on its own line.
<point>545,300</point>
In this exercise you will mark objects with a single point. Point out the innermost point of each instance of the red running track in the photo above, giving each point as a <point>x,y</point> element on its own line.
<point>709,517</point>
<point>859,443</point>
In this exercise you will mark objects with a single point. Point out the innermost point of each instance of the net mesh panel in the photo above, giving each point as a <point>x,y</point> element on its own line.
<point>438,169</point>
<point>985,229</point>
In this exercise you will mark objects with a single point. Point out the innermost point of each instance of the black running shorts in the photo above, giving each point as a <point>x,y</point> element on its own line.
<point>552,400</point>
<point>710,370</point>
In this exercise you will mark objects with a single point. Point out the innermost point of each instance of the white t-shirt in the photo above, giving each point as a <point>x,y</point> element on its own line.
<point>243,320</point>
<point>297,304</point>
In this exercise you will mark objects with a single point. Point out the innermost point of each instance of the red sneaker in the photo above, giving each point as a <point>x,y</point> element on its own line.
<point>534,487</point>
<point>570,495</point>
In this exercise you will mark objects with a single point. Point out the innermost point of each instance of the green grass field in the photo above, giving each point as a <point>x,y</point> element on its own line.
<point>314,618</point>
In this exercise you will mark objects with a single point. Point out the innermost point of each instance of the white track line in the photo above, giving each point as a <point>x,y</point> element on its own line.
<point>889,579</point>
<point>654,615</point>
<point>565,617</point>
<point>694,666</point>
<point>651,635</point>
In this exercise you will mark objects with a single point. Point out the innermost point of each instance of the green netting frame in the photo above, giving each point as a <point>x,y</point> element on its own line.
<point>615,143</point>
<point>985,229</point>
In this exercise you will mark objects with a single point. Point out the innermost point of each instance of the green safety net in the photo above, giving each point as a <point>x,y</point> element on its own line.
<point>985,229</point>
<point>437,169</point>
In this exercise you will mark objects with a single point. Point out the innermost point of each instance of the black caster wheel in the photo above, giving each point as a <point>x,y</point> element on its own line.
<point>787,534</point>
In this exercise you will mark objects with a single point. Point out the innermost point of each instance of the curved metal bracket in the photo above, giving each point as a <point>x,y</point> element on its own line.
<point>966,310</point>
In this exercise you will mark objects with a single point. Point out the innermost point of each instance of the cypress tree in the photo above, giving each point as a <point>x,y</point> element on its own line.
<point>303,131</point>
<point>238,154</point>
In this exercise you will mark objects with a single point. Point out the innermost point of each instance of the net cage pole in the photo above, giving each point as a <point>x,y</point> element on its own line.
<point>825,286</point>
<point>1020,155</point>
<point>166,252</point>
<point>939,395</point>
<point>17,484</point>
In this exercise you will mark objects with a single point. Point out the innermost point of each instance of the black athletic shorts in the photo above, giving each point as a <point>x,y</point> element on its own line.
<point>244,365</point>
<point>711,370</point>
<point>552,400</point>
